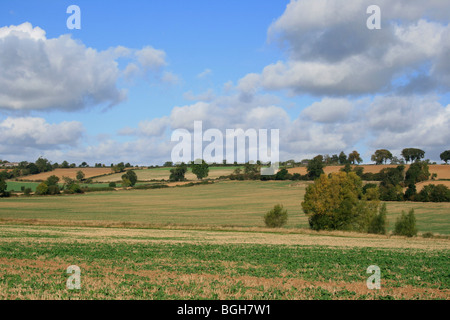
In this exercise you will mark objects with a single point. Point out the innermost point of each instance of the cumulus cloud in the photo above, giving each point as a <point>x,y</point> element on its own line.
<point>412,120</point>
<point>331,52</point>
<point>329,110</point>
<point>37,133</point>
<point>151,58</point>
<point>40,73</point>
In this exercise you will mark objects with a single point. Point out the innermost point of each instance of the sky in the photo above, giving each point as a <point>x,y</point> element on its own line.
<point>136,71</point>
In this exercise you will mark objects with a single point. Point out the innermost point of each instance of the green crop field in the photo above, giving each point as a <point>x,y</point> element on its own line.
<point>174,264</point>
<point>200,205</point>
<point>209,242</point>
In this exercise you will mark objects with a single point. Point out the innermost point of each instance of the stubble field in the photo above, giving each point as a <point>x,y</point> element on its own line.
<point>209,242</point>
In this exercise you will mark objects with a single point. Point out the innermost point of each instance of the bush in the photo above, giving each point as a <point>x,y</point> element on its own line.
<point>378,224</point>
<point>27,191</point>
<point>276,218</point>
<point>434,193</point>
<point>406,225</point>
<point>391,192</point>
<point>112,185</point>
<point>42,189</point>
<point>130,177</point>
<point>53,189</point>
<point>369,186</point>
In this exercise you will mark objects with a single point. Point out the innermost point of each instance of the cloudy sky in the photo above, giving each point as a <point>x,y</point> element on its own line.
<point>137,70</point>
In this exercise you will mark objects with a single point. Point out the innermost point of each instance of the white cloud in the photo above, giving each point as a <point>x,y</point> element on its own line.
<point>38,134</point>
<point>151,58</point>
<point>205,73</point>
<point>329,110</point>
<point>420,121</point>
<point>59,73</point>
<point>331,52</point>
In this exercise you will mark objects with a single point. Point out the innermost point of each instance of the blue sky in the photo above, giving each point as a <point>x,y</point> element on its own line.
<point>138,70</point>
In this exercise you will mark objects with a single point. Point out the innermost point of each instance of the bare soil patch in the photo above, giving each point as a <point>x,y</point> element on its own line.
<point>71,173</point>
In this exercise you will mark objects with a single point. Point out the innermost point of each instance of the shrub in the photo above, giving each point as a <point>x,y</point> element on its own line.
<point>126,182</point>
<point>42,189</point>
<point>53,189</point>
<point>417,172</point>
<point>434,193</point>
<point>112,185</point>
<point>406,225</point>
<point>369,186</point>
<point>391,192</point>
<point>378,223</point>
<point>276,218</point>
<point>27,191</point>
<point>75,188</point>
<point>283,174</point>
<point>130,177</point>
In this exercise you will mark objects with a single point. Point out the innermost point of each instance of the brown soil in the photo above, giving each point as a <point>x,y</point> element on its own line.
<point>71,173</point>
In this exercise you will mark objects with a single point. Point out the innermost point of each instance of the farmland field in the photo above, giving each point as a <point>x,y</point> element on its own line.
<point>71,173</point>
<point>442,171</point>
<point>194,243</point>
<point>191,264</point>
<point>164,173</point>
<point>207,205</point>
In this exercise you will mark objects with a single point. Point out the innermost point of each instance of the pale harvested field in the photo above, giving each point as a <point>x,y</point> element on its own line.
<point>420,185</point>
<point>261,236</point>
<point>164,173</point>
<point>71,173</point>
<point>442,171</point>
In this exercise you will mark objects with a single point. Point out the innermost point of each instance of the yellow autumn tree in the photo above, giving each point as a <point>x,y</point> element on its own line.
<point>337,202</point>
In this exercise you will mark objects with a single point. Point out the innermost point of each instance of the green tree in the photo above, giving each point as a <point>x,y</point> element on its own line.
<point>32,168</point>
<point>201,170</point>
<point>120,167</point>
<point>283,174</point>
<point>43,165</point>
<point>354,157</point>
<point>277,217</point>
<point>125,182</point>
<point>177,173</point>
<point>131,176</point>
<point>3,186</point>
<point>342,158</point>
<point>412,154</point>
<point>336,202</point>
<point>417,172</point>
<point>406,224</point>
<point>52,181</point>
<point>378,224</point>
<point>381,155</point>
<point>80,175</point>
<point>445,156</point>
<point>315,168</point>
<point>434,193</point>
<point>42,189</point>
<point>65,164</point>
